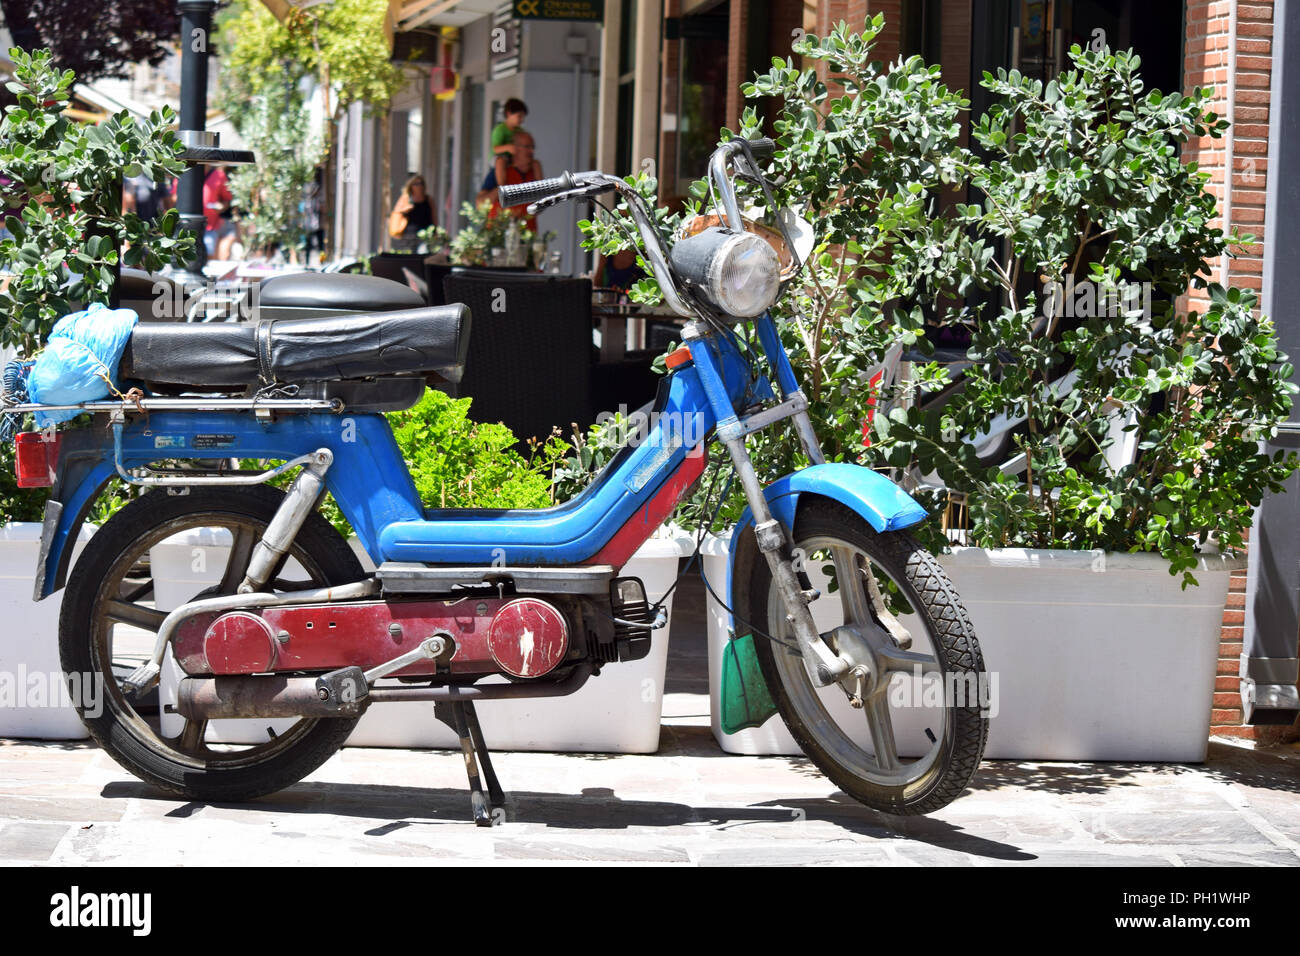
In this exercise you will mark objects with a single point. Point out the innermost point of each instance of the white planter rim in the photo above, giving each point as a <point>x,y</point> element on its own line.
<point>1051,559</point>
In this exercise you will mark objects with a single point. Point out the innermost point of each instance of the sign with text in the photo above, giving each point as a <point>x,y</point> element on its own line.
<point>589,10</point>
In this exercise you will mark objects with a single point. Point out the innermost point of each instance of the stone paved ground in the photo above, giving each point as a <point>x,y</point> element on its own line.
<point>69,804</point>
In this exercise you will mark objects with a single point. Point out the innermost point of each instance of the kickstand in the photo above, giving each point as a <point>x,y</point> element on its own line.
<point>461,718</point>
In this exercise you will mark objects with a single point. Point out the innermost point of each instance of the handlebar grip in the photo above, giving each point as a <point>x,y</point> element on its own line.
<point>525,194</point>
<point>763,149</point>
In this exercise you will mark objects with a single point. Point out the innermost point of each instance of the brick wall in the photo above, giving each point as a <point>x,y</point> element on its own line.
<point>1207,57</point>
<point>856,13</point>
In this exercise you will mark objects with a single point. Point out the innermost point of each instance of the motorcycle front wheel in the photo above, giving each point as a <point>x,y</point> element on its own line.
<point>914,737</point>
<point>115,603</point>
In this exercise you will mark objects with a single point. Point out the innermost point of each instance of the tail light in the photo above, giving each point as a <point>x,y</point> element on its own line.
<point>36,458</point>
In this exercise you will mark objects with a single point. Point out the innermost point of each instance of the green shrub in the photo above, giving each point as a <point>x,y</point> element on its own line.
<point>456,462</point>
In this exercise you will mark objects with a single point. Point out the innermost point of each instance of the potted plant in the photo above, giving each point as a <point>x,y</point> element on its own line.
<point>1136,466</point>
<point>63,249</point>
<point>1076,184</point>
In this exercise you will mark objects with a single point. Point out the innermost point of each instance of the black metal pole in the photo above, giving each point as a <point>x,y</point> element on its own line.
<point>196,30</point>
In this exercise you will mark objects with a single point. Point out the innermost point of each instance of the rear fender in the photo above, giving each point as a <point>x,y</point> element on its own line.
<point>85,467</point>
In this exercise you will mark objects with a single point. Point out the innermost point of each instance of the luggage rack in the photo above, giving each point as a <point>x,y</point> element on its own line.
<point>193,404</point>
<point>118,411</point>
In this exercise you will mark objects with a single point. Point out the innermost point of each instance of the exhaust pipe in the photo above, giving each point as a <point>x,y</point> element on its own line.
<point>270,695</point>
<point>275,695</point>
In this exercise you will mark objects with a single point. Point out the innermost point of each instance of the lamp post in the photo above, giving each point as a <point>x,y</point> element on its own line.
<point>196,27</point>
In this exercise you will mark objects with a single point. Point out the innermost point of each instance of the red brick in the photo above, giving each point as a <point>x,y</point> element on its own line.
<point>1247,45</point>
<point>1227,701</point>
<point>1222,715</point>
<point>1254,29</point>
<point>1227,682</point>
<point>1236,600</point>
<point>1253,81</point>
<point>1258,97</point>
<point>1231,668</point>
<point>1263,63</point>
<point>1254,11</point>
<point>1252,114</point>
<point>1239,730</point>
<point>1234,617</point>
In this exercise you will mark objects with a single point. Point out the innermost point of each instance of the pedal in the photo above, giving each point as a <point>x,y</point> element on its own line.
<point>346,687</point>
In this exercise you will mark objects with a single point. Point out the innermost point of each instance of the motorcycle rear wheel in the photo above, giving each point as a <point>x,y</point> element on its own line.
<point>110,616</point>
<point>842,741</point>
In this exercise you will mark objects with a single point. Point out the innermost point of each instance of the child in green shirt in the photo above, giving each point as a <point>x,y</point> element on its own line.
<point>503,133</point>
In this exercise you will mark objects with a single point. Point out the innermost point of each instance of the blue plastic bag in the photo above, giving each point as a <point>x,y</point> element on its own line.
<point>79,362</point>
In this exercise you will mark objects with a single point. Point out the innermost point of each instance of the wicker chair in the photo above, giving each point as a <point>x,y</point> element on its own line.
<point>529,362</point>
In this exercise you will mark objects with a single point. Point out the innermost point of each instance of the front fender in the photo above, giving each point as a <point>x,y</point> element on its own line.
<point>884,506</point>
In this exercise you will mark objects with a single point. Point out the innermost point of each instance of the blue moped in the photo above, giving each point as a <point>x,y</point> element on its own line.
<point>854,625</point>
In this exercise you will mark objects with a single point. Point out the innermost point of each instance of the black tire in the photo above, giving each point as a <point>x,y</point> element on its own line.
<point>926,604</point>
<point>114,568</point>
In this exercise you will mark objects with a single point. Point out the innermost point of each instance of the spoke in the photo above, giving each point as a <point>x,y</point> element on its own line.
<point>882,730</point>
<point>241,552</point>
<point>906,662</point>
<point>853,595</point>
<point>137,615</point>
<point>143,590</point>
<point>190,740</point>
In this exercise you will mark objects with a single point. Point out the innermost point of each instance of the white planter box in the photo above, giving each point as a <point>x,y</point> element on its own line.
<point>34,698</point>
<point>1091,656</point>
<point>615,712</point>
<point>1098,656</point>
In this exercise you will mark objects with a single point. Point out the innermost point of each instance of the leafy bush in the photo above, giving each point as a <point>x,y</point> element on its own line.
<point>1077,181</point>
<point>1091,229</point>
<point>456,462</point>
<point>67,176</point>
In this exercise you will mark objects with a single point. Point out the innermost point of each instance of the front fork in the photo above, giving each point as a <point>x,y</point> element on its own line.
<point>823,665</point>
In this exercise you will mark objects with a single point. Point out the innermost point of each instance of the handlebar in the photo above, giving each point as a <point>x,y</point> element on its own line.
<point>544,192</point>
<point>525,194</point>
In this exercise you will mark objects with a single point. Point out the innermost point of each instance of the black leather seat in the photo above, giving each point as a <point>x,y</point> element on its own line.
<point>335,348</point>
<point>318,290</point>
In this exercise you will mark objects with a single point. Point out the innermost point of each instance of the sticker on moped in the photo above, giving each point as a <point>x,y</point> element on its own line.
<point>214,441</point>
<point>168,441</point>
<point>654,461</point>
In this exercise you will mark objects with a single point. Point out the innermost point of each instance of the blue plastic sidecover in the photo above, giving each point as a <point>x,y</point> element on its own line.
<point>79,362</point>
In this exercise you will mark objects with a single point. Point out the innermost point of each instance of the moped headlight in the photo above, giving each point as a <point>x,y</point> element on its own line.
<point>737,273</point>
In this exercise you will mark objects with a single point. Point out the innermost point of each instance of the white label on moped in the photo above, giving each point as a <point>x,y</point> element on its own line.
<point>168,441</point>
<point>654,461</point>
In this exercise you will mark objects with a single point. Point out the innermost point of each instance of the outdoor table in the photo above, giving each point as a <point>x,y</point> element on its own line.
<point>612,320</point>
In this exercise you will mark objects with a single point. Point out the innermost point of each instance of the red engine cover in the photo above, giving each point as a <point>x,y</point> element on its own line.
<point>319,637</point>
<point>239,643</point>
<point>528,637</point>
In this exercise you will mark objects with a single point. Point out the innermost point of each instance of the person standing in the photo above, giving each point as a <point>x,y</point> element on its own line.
<point>217,200</point>
<point>522,168</point>
<point>411,213</point>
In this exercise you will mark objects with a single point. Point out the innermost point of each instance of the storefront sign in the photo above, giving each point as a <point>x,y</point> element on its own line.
<point>589,10</point>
